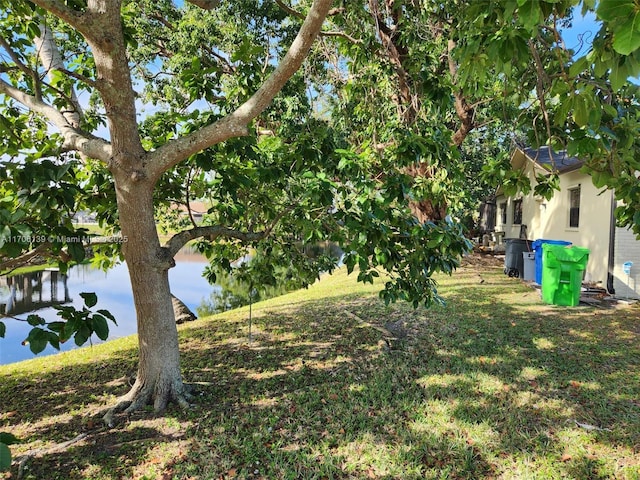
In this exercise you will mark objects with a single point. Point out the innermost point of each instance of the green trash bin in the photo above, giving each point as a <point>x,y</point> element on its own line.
<point>562,271</point>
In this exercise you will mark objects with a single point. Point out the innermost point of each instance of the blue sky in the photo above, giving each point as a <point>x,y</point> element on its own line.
<point>582,32</point>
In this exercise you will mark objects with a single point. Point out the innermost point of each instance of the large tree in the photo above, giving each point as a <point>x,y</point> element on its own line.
<point>408,50</point>
<point>53,49</point>
<point>226,117</point>
<point>220,123</point>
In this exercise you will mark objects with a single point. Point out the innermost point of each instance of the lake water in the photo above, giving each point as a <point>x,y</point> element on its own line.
<point>113,288</point>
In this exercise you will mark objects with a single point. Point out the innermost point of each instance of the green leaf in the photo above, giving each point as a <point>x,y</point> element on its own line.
<point>599,179</point>
<point>37,340</point>
<point>595,116</point>
<point>76,250</point>
<point>610,110</point>
<point>35,320</point>
<point>5,235</point>
<point>33,30</point>
<point>8,438</point>
<point>609,10</point>
<point>3,330</point>
<point>90,298</point>
<point>619,74</point>
<point>100,326</point>
<point>82,335</point>
<point>577,68</point>
<point>5,457</point>
<point>57,327</point>
<point>53,339</point>
<point>581,111</point>
<point>626,38</point>
<point>110,316</point>
<point>530,14</point>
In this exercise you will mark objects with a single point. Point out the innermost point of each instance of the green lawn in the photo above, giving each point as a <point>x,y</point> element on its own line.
<point>493,385</point>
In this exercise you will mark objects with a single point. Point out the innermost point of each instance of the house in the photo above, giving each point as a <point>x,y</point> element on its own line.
<point>198,209</point>
<point>579,213</point>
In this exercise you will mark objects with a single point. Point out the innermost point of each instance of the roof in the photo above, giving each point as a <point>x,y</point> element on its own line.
<point>197,207</point>
<point>550,160</point>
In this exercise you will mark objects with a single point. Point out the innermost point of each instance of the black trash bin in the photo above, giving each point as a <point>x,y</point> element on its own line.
<point>513,259</point>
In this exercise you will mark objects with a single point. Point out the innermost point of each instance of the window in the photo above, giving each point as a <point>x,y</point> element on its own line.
<point>517,211</point>
<point>574,207</point>
<point>503,213</point>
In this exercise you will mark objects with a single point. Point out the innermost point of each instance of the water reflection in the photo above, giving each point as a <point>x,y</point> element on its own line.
<point>40,291</point>
<point>234,293</point>
<point>29,292</point>
<point>114,294</point>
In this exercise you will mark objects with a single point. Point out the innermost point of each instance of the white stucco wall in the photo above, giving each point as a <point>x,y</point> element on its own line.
<point>627,250</point>
<point>549,219</point>
<point>594,226</point>
<point>530,210</point>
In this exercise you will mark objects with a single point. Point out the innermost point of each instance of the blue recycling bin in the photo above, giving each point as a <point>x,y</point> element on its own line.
<point>537,249</point>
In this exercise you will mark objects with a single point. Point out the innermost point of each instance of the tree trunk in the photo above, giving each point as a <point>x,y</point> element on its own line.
<point>425,209</point>
<point>159,380</point>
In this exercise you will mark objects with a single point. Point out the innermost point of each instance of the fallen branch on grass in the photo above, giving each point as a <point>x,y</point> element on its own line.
<point>23,459</point>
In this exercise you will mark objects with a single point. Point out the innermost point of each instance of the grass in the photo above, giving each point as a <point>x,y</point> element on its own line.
<point>493,385</point>
<point>31,269</point>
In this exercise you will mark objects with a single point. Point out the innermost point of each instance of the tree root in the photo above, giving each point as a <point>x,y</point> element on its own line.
<point>139,397</point>
<point>108,417</point>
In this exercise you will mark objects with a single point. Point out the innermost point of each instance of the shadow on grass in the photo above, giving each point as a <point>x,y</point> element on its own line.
<point>483,387</point>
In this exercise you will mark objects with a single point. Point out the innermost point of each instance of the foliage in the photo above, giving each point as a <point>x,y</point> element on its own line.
<point>581,102</point>
<point>5,454</point>
<point>79,324</point>
<point>39,199</point>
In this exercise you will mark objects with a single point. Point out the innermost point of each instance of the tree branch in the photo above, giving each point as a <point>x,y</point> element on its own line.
<point>341,35</point>
<point>25,69</point>
<point>74,139</point>
<point>222,62</point>
<point>396,54</point>
<point>205,4</point>
<point>296,13</point>
<point>37,84</point>
<point>74,18</point>
<point>289,10</point>
<point>52,60</point>
<point>212,232</point>
<point>464,111</point>
<point>21,260</point>
<point>236,123</point>
<point>187,195</point>
<point>333,11</point>
<point>42,249</point>
<point>25,457</point>
<point>86,80</point>
<point>541,80</point>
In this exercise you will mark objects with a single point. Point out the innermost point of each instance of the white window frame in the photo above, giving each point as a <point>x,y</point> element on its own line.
<point>571,191</point>
<point>503,212</point>
<point>514,210</point>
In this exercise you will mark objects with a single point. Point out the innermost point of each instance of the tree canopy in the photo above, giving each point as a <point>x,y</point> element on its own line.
<point>363,137</point>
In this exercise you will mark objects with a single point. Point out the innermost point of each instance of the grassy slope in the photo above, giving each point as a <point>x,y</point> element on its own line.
<point>494,385</point>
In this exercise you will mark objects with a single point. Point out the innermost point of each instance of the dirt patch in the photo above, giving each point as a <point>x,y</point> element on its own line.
<point>477,259</point>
